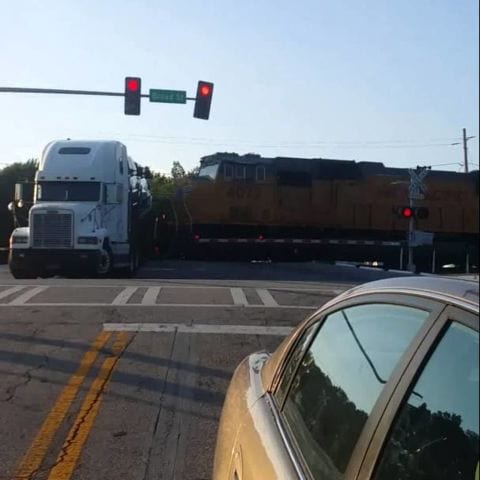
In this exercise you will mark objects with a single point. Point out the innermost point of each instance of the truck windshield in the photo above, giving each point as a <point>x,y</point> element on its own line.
<point>68,191</point>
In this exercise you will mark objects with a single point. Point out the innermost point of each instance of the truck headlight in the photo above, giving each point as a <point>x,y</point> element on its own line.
<point>18,239</point>
<point>87,240</point>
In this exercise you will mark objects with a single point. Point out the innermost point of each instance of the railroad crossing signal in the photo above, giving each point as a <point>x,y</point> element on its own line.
<point>412,212</point>
<point>133,95</point>
<point>203,100</point>
<point>417,188</point>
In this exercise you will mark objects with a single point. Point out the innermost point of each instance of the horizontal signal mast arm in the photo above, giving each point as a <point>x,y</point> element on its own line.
<point>68,92</point>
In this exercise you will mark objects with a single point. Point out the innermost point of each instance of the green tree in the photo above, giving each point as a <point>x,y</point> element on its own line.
<point>161,185</point>
<point>9,176</point>
<point>177,172</point>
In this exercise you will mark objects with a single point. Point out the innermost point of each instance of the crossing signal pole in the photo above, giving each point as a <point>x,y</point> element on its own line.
<point>417,191</point>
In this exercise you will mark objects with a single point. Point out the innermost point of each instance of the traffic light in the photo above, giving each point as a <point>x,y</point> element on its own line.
<point>203,100</point>
<point>412,212</point>
<point>133,91</point>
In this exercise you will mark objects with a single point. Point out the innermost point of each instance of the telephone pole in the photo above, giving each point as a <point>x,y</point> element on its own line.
<point>465,151</point>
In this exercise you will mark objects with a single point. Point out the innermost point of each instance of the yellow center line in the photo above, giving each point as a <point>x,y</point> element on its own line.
<point>78,434</point>
<point>38,449</point>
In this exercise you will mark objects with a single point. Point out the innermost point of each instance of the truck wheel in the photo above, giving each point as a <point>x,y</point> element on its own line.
<point>21,274</point>
<point>105,262</point>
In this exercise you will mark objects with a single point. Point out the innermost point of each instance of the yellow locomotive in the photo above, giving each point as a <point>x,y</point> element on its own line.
<point>285,200</point>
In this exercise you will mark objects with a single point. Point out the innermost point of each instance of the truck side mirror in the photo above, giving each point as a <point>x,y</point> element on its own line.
<point>24,192</point>
<point>19,191</point>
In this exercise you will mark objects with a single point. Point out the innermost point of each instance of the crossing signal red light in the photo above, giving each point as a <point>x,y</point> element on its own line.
<point>133,91</point>
<point>415,212</point>
<point>203,100</point>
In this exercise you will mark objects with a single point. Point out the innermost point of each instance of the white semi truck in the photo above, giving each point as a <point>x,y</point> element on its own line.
<point>88,215</point>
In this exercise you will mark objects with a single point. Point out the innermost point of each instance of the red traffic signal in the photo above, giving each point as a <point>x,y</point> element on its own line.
<point>203,100</point>
<point>406,212</point>
<point>132,84</point>
<point>133,92</point>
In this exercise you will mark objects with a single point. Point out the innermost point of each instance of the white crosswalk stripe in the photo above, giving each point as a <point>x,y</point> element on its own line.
<point>11,291</point>
<point>124,296</point>
<point>238,296</point>
<point>266,297</point>
<point>150,297</point>
<point>28,295</point>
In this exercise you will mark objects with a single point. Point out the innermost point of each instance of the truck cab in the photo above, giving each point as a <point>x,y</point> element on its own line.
<point>87,200</point>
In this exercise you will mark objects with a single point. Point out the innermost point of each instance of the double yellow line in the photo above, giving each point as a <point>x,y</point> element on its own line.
<point>78,434</point>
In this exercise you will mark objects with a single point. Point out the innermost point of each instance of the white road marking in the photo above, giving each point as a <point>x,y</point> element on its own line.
<point>165,305</point>
<point>150,297</point>
<point>238,296</point>
<point>326,289</point>
<point>11,291</point>
<point>198,328</point>
<point>25,297</point>
<point>266,297</point>
<point>123,297</point>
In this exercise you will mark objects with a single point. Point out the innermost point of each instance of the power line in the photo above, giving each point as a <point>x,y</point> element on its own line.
<point>292,144</point>
<point>213,143</point>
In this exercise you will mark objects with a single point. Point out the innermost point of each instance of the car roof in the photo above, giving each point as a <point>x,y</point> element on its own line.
<point>450,290</point>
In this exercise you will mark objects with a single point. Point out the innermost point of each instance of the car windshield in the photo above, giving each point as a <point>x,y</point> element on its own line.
<point>68,191</point>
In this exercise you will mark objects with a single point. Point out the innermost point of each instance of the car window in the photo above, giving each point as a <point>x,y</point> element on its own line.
<point>295,357</point>
<point>339,379</point>
<point>436,434</point>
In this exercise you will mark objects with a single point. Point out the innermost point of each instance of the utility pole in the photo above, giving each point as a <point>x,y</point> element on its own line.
<point>465,153</point>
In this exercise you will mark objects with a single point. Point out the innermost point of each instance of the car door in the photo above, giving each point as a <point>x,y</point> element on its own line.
<point>430,428</point>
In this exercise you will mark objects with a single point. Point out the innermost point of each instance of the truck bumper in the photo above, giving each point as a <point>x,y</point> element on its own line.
<point>49,259</point>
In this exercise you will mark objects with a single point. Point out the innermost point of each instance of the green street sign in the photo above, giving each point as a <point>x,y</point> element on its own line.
<point>168,96</point>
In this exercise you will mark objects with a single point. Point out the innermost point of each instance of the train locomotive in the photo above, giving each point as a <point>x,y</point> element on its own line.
<point>320,206</point>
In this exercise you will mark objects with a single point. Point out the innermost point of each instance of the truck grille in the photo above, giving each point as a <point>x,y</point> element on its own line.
<point>52,230</point>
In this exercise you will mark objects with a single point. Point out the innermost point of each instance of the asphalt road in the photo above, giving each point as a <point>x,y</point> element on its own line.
<point>125,378</point>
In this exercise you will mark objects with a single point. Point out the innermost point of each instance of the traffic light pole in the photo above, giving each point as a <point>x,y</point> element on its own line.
<point>70,92</point>
<point>133,94</point>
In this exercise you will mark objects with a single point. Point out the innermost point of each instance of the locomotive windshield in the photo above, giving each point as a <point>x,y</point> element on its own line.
<point>209,171</point>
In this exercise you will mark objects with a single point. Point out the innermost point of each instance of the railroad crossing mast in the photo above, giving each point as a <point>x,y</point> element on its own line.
<point>417,190</point>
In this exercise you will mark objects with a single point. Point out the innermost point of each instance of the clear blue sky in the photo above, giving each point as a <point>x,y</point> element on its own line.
<point>313,78</point>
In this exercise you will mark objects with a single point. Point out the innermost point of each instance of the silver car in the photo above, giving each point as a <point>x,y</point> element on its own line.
<point>381,383</point>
